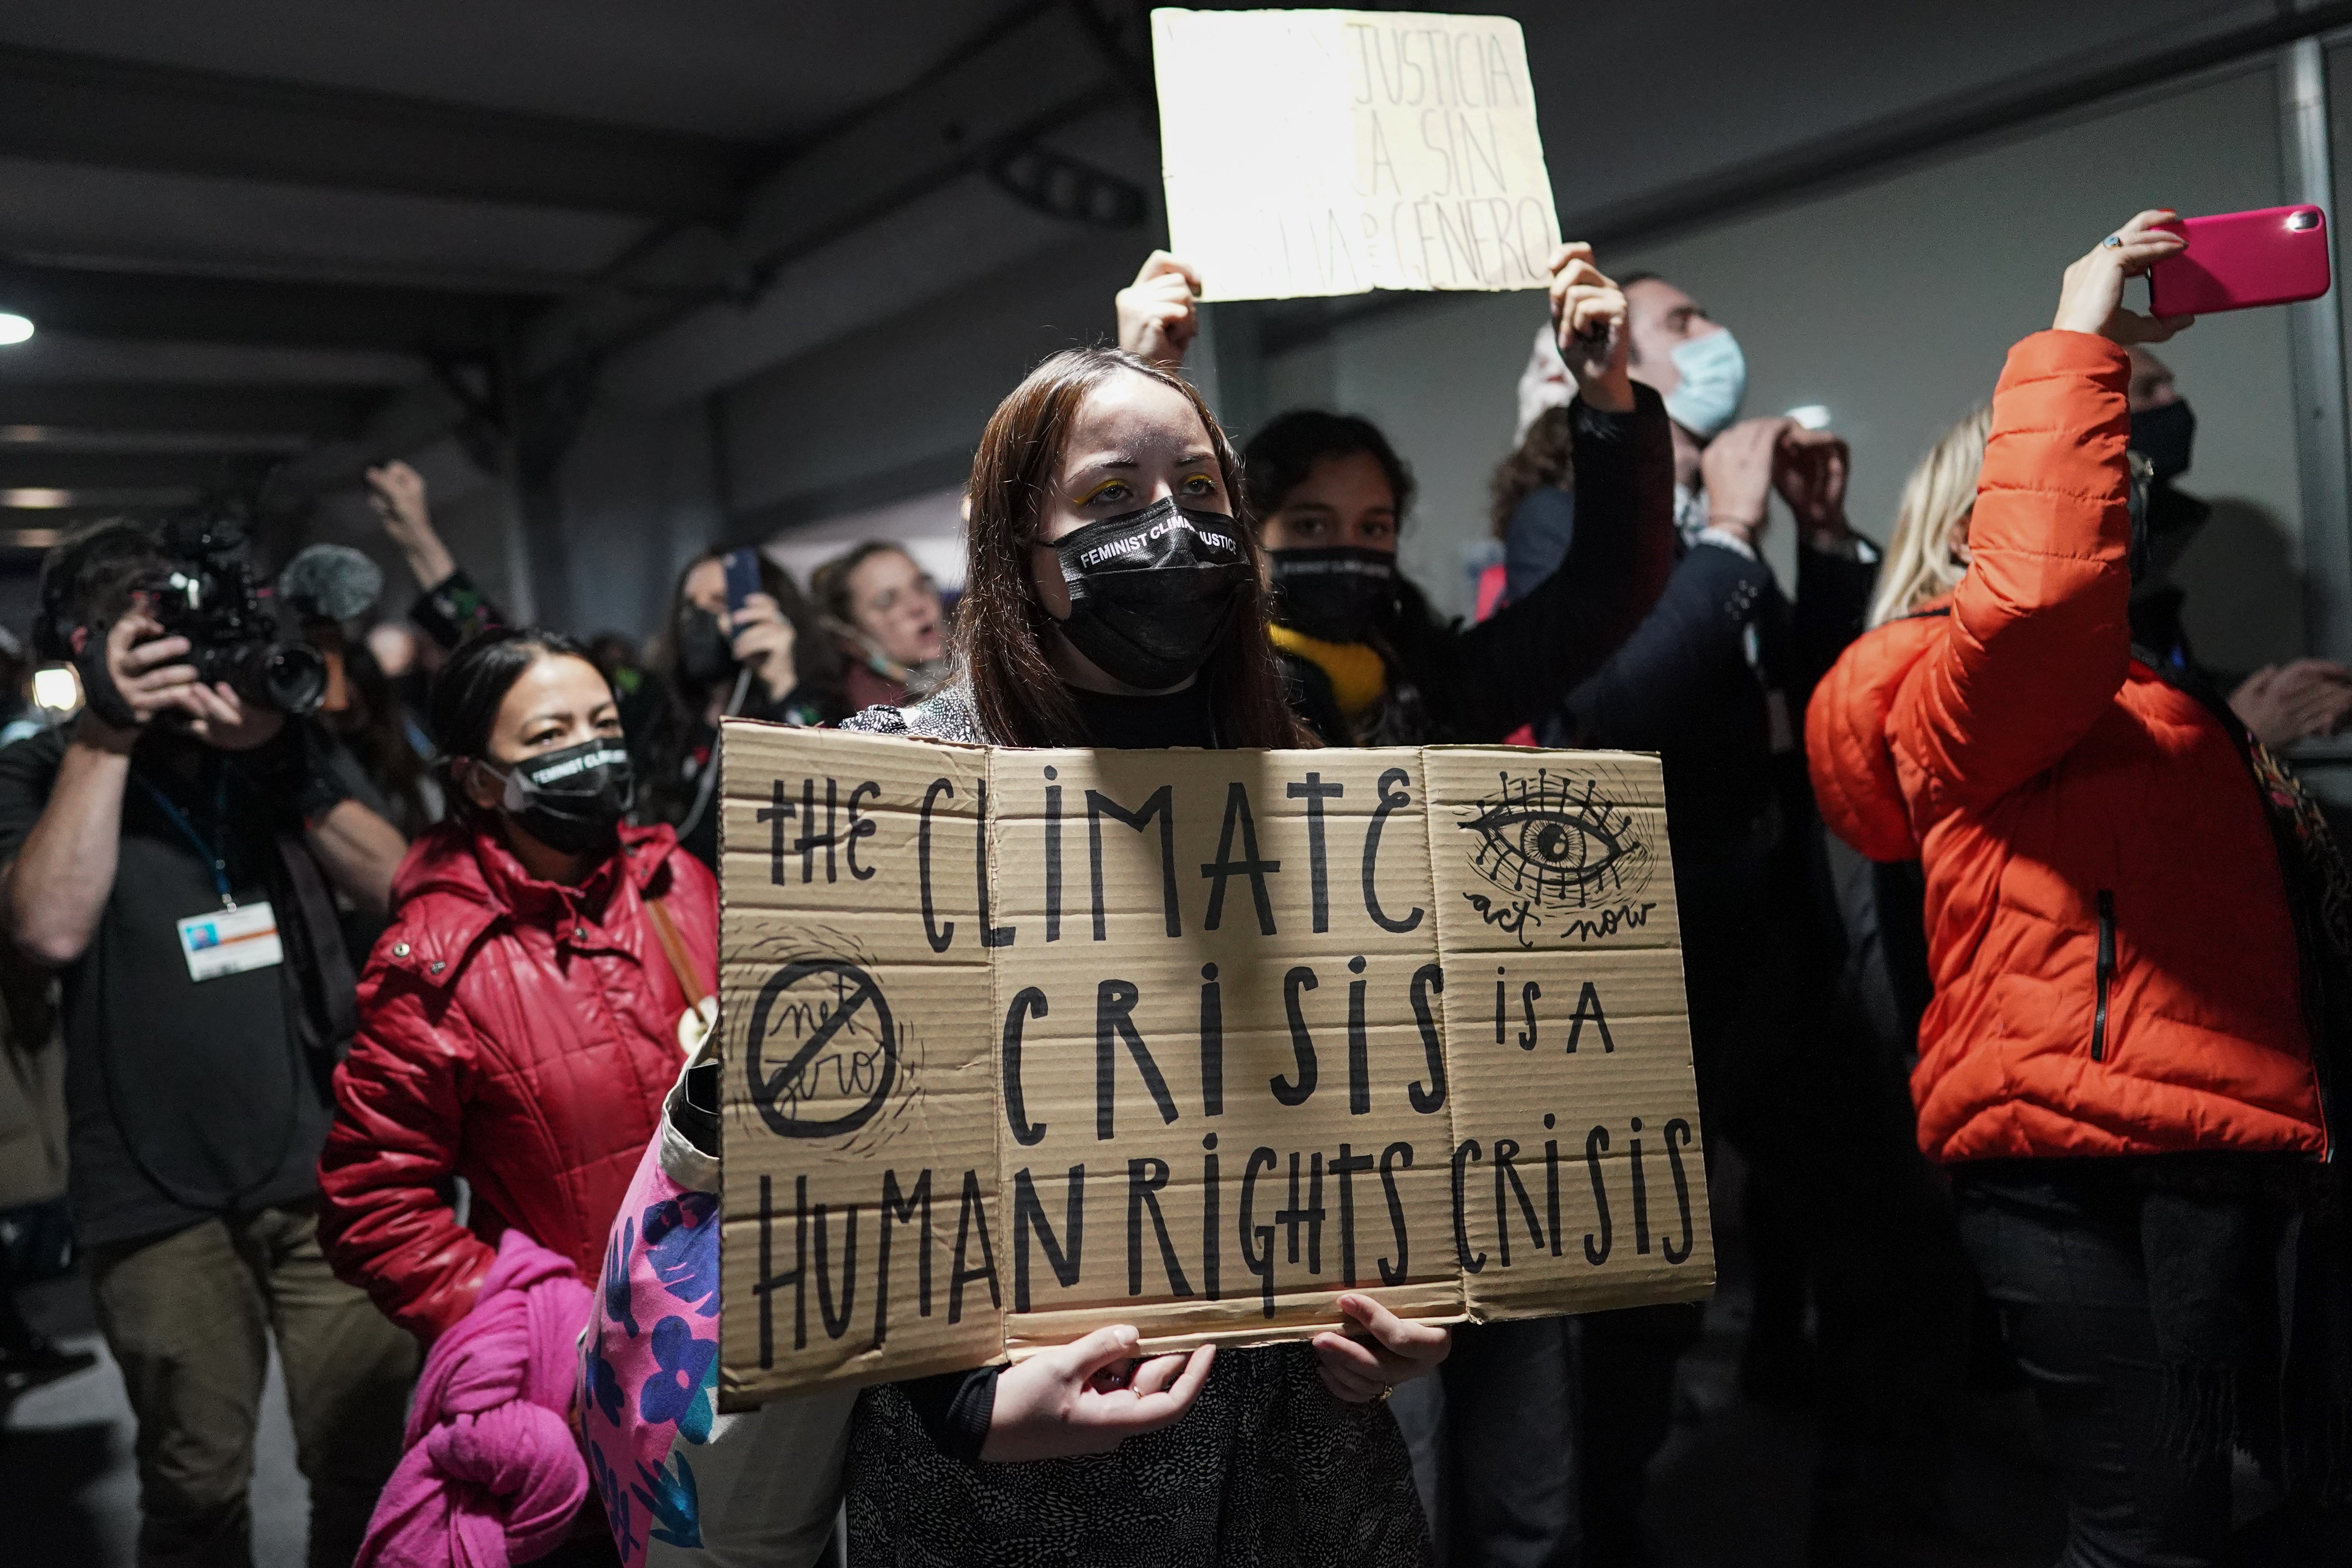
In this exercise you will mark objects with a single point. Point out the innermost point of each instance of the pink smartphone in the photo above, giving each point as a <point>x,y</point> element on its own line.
<point>2238,260</point>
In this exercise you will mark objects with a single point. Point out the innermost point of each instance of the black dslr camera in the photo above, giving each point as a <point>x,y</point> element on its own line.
<point>205,592</point>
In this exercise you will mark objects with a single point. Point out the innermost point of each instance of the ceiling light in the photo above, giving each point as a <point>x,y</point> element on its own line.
<point>14,329</point>
<point>38,497</point>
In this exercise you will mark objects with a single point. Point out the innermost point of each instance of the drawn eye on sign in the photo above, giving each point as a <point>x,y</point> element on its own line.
<point>822,1055</point>
<point>1559,846</point>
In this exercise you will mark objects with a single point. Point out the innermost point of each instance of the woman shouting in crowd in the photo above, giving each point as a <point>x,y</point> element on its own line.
<point>1369,663</point>
<point>2137,933</point>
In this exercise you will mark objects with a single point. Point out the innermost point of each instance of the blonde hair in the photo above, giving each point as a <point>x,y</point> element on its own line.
<point>1921,563</point>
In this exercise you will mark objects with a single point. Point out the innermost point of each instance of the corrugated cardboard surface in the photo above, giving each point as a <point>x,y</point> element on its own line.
<point>1197,1041</point>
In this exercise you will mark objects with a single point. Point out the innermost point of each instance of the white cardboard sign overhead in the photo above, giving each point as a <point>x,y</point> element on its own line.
<point>1016,1044</point>
<point>1337,152</point>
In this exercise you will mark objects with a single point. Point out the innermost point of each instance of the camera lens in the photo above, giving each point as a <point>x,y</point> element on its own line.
<point>293,676</point>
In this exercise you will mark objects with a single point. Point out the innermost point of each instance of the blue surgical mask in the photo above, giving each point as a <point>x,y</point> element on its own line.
<point>1714,379</point>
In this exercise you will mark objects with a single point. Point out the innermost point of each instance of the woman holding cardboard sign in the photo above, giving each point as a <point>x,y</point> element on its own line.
<point>1115,599</point>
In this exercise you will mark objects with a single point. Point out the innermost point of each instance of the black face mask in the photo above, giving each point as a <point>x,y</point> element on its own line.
<point>572,801</point>
<point>705,656</point>
<point>1338,594</point>
<point>1151,592</point>
<point>2163,435</point>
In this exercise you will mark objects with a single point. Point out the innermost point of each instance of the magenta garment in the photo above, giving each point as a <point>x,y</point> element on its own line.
<point>649,1364</point>
<point>493,1474</point>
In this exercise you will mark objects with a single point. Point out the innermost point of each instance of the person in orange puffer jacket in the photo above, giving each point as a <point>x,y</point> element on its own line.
<point>2119,1064</point>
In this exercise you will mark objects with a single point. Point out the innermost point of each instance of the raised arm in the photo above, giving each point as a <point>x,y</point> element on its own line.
<point>1649,693</point>
<point>449,607</point>
<point>2039,639</point>
<point>396,491</point>
<point>1510,669</point>
<point>1157,317</point>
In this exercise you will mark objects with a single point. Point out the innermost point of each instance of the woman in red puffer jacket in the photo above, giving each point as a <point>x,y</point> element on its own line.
<point>520,1022</point>
<point>2121,1067</point>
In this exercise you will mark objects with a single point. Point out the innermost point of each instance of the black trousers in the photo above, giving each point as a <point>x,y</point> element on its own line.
<point>1493,1443</point>
<point>1628,1395</point>
<point>2063,1260</point>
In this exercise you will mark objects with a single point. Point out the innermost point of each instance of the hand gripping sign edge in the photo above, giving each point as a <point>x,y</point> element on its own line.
<point>766,1089</point>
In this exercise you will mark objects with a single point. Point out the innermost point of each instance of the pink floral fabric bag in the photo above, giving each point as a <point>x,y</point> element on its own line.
<point>682,1484</point>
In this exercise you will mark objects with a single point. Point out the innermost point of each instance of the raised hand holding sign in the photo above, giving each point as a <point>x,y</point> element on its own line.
<point>1336,151</point>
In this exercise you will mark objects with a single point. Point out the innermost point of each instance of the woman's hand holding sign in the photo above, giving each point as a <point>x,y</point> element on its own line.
<point>1081,1398</point>
<point>1393,1351</point>
<point>1588,312</point>
<point>1158,319</point>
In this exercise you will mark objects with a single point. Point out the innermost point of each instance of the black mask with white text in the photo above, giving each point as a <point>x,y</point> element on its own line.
<point>1336,593</point>
<point>571,800</point>
<point>1152,592</point>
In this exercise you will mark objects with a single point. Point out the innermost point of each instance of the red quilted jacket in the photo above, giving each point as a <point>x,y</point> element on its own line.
<point>2115,963</point>
<point>516,1033</point>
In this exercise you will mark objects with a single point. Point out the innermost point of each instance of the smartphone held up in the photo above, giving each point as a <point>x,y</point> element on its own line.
<point>743,567</point>
<point>2234,261</point>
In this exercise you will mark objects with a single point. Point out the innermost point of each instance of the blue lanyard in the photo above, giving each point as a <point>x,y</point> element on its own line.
<point>215,856</point>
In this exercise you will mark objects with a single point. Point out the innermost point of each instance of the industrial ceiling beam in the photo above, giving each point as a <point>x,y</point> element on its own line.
<point>1041,69</point>
<point>29,468</point>
<point>180,309</point>
<point>224,418</point>
<point>80,108</point>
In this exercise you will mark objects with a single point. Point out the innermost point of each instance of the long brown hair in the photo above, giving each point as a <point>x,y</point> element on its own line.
<point>1000,629</point>
<point>1545,459</point>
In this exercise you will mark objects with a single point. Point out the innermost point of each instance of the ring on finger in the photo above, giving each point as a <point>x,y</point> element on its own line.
<point>2112,242</point>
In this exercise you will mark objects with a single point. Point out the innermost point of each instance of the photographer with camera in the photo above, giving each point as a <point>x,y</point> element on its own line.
<point>171,852</point>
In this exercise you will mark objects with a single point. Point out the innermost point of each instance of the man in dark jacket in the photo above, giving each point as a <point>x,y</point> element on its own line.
<point>1716,679</point>
<point>171,852</point>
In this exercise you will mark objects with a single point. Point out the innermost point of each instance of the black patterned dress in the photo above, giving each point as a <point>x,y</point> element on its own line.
<point>1267,1470</point>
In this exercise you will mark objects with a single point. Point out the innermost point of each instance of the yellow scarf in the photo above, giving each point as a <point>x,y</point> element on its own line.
<point>1359,676</point>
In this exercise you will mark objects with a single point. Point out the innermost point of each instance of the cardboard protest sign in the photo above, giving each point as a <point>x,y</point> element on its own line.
<point>1337,152</point>
<point>1019,1043</point>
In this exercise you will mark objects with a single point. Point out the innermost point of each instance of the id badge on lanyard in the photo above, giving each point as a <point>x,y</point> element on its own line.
<point>230,942</point>
<point>235,938</point>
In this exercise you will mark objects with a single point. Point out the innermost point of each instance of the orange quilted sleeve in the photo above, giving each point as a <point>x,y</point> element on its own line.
<point>2038,643</point>
<point>1854,774</point>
